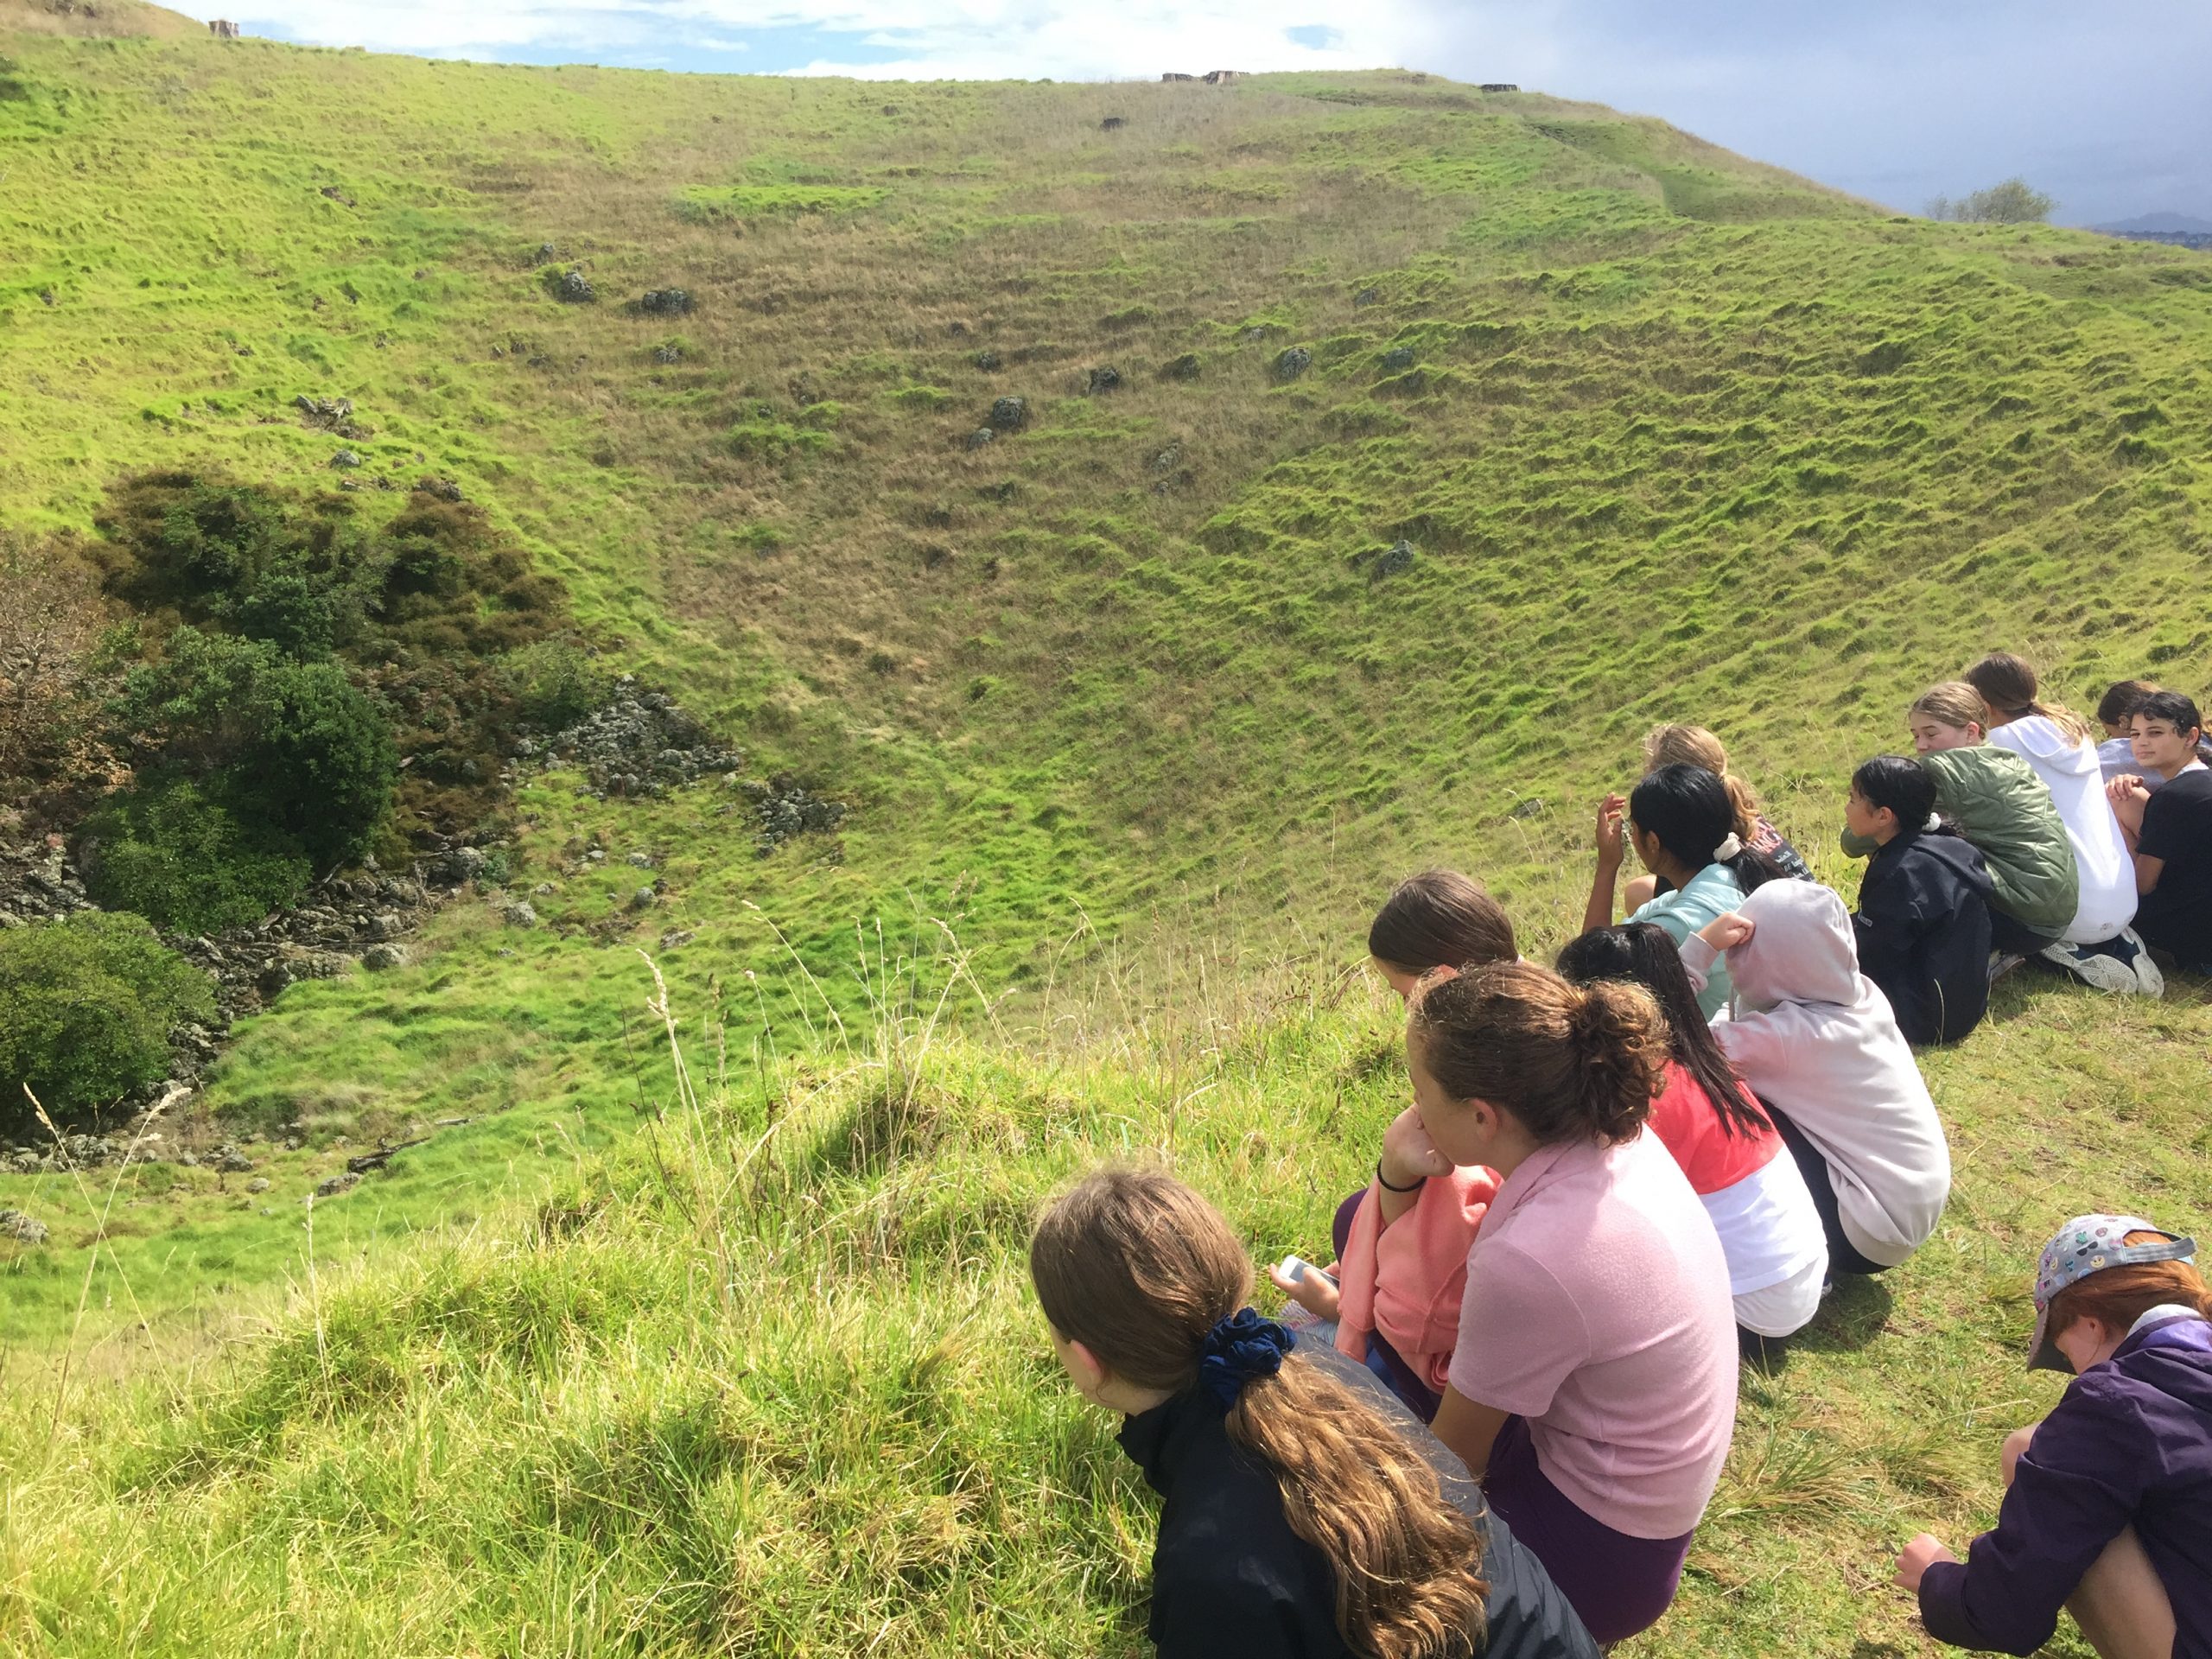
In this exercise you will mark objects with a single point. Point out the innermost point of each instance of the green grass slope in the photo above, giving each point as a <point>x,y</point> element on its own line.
<point>767,1379</point>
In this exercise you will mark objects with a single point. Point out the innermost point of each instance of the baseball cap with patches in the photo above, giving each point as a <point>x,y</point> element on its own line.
<point>2085,1245</point>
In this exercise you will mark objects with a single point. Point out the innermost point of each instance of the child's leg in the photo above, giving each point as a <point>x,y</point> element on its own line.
<point>2121,1604</point>
<point>1641,891</point>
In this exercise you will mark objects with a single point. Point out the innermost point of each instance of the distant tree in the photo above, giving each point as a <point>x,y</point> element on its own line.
<point>2014,202</point>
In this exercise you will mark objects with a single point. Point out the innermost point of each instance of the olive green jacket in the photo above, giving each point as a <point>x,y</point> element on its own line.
<point>1996,798</point>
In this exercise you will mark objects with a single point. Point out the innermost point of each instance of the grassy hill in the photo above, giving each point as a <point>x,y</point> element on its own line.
<point>1138,707</point>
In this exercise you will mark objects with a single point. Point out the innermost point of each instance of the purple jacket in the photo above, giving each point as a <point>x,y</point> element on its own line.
<point>2129,1444</point>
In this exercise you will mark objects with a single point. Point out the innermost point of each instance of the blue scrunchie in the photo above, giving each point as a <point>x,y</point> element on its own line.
<point>1238,1349</point>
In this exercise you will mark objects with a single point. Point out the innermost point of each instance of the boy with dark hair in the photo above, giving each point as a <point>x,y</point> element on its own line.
<point>2116,713</point>
<point>1923,923</point>
<point>2169,833</point>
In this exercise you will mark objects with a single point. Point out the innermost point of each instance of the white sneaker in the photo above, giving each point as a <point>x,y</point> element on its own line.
<point>2106,973</point>
<point>2148,979</point>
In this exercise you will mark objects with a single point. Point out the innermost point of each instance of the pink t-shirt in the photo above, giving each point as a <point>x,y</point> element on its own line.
<point>1597,1308</point>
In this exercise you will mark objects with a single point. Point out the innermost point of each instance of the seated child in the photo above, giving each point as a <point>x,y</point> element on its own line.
<point>2096,945</point>
<point>1402,1259</point>
<point>1770,1230</point>
<point>1922,924</point>
<point>1681,821</point>
<point>1593,1389</point>
<point>2003,808</point>
<point>2171,833</point>
<point>2107,1505</point>
<point>1694,746</point>
<point>1302,1513</point>
<point>1816,1041</point>
<point>2116,713</point>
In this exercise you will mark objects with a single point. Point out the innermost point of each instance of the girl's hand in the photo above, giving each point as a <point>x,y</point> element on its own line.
<point>1916,1557</point>
<point>1728,931</point>
<point>2128,799</point>
<point>1316,1293</point>
<point>1610,812</point>
<point>1408,1153</point>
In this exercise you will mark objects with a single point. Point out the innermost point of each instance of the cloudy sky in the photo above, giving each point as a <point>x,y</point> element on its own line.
<point>2106,107</point>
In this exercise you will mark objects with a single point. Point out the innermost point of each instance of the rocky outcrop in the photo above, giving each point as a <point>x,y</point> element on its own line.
<point>641,743</point>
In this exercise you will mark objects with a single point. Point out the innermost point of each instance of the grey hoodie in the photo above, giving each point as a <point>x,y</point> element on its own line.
<point>1814,1036</point>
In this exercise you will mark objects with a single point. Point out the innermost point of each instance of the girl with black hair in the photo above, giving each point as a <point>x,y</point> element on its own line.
<point>1770,1229</point>
<point>1923,921</point>
<point>1681,821</point>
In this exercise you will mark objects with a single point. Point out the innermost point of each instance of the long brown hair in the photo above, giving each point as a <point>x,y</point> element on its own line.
<point>1571,1062</point>
<point>2008,685</point>
<point>1694,746</point>
<point>2121,1295</point>
<point>1440,919</point>
<point>1138,1267</point>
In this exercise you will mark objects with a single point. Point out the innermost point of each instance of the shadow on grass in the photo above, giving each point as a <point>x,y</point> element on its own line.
<point>1852,1315</point>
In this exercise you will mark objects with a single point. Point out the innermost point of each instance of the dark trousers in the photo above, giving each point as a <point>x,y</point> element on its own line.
<point>1812,1164</point>
<point>2013,937</point>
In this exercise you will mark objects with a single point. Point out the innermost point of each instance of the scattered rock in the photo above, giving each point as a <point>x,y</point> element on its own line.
<point>546,254</point>
<point>788,808</point>
<point>14,1224</point>
<point>331,413</point>
<point>331,192</point>
<point>640,860</point>
<point>347,459</point>
<point>665,302</point>
<point>1292,361</point>
<point>378,958</point>
<point>345,1182</point>
<point>231,1161</point>
<point>1393,560</point>
<point>442,489</point>
<point>1185,367</point>
<point>1531,808</point>
<point>1113,124</point>
<point>980,437</point>
<point>644,899</point>
<point>677,937</point>
<point>665,355</point>
<point>988,361</point>
<point>1368,296</point>
<point>641,744</point>
<point>1398,358</point>
<point>1168,458</point>
<point>1105,377</point>
<point>521,913</point>
<point>460,866</point>
<point>258,1184</point>
<point>1009,414</point>
<point>572,287</point>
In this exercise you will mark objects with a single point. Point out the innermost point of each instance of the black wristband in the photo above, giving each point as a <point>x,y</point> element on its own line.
<point>1384,1180</point>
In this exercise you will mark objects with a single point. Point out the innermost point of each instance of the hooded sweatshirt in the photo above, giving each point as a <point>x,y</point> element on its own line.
<point>2105,874</point>
<point>2000,805</point>
<point>1816,1037</point>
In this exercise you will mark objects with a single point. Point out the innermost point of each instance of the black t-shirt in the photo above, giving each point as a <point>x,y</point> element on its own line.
<point>2177,914</point>
<point>1230,1577</point>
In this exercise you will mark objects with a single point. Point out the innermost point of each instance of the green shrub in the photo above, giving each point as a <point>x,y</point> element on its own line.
<point>180,857</point>
<point>86,1004</point>
<point>291,748</point>
<point>554,683</point>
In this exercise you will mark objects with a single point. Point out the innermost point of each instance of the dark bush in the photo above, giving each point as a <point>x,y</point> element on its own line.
<point>554,683</point>
<point>86,1004</point>
<point>179,857</point>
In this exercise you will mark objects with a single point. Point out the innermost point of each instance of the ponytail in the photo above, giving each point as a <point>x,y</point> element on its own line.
<point>1691,813</point>
<point>1637,953</point>
<point>1146,1275</point>
<point>2007,684</point>
<point>1572,1063</point>
<point>1694,746</point>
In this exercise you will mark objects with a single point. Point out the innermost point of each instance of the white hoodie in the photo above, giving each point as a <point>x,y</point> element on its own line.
<point>1814,1037</point>
<point>2069,767</point>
